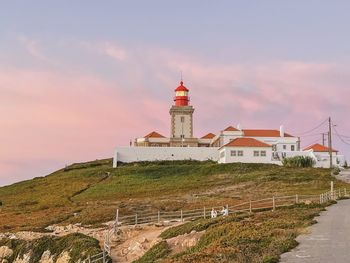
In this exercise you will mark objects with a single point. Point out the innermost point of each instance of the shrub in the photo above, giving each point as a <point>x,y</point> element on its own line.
<point>336,170</point>
<point>298,161</point>
<point>158,251</point>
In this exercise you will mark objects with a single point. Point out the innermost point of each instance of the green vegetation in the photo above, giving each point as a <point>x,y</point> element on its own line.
<point>336,170</point>
<point>298,161</point>
<point>158,251</point>
<point>259,237</point>
<point>78,245</point>
<point>90,193</point>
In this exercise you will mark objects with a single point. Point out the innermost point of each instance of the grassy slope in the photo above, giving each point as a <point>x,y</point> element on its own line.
<point>77,245</point>
<point>256,238</point>
<point>85,189</point>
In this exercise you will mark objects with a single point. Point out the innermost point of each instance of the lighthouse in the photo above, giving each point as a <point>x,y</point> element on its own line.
<point>181,95</point>
<point>181,132</point>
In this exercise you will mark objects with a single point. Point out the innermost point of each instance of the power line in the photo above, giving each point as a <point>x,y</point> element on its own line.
<point>318,126</point>
<point>340,137</point>
<point>313,142</point>
<point>310,135</point>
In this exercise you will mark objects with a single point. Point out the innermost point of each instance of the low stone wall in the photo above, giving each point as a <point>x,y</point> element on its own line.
<point>139,154</point>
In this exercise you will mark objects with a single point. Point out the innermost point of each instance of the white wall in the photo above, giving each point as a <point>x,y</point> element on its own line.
<point>138,154</point>
<point>248,155</point>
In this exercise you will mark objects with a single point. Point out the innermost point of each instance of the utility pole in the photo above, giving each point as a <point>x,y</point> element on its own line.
<point>323,138</point>
<point>330,143</point>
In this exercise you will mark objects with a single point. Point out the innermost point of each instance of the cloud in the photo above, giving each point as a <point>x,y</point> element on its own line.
<point>33,48</point>
<point>51,118</point>
<point>110,49</point>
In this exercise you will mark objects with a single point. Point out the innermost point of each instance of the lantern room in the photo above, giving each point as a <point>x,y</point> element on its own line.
<point>181,95</point>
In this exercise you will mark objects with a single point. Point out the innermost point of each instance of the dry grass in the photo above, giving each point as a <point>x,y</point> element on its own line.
<point>85,190</point>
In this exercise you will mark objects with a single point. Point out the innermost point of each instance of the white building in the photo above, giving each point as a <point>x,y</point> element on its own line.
<point>245,150</point>
<point>232,144</point>
<point>322,156</point>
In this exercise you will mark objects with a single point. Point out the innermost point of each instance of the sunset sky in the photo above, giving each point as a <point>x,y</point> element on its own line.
<point>78,78</point>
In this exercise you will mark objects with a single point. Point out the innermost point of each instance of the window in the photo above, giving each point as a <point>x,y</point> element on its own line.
<point>263,153</point>
<point>256,153</point>
<point>233,153</point>
<point>284,147</point>
<point>274,147</point>
<point>240,153</point>
<point>182,119</point>
<point>292,148</point>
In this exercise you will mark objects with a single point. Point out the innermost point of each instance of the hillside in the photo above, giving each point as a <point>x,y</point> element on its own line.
<point>90,193</point>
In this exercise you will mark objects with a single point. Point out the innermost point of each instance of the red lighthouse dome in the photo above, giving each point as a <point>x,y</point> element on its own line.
<point>181,95</point>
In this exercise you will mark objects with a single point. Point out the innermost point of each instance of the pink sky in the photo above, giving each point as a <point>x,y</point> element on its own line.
<point>78,79</point>
<point>53,117</point>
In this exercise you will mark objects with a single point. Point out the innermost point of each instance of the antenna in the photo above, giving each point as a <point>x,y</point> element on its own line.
<point>181,74</point>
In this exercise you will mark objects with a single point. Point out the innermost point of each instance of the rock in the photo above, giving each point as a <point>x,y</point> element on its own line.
<point>143,240</point>
<point>136,247</point>
<point>46,257</point>
<point>190,242</point>
<point>5,252</point>
<point>193,231</point>
<point>63,258</point>
<point>24,259</point>
<point>155,241</point>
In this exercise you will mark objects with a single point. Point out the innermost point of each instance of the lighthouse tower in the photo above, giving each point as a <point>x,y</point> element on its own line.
<point>181,133</point>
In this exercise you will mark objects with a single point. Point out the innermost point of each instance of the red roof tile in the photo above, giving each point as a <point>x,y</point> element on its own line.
<point>208,136</point>
<point>264,133</point>
<point>318,148</point>
<point>230,128</point>
<point>246,142</point>
<point>154,135</point>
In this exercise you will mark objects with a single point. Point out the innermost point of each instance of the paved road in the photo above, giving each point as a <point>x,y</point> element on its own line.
<point>329,240</point>
<point>344,176</point>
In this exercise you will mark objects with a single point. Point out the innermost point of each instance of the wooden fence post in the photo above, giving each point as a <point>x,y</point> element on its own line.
<point>227,209</point>
<point>339,195</point>
<point>332,190</point>
<point>296,199</point>
<point>182,218</point>
<point>250,206</point>
<point>273,204</point>
<point>135,219</point>
<point>115,227</point>
<point>345,192</point>
<point>204,212</point>
<point>158,216</point>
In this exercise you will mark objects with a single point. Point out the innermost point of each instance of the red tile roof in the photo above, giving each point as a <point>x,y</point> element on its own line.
<point>246,142</point>
<point>208,136</point>
<point>154,135</point>
<point>230,128</point>
<point>264,133</point>
<point>318,148</point>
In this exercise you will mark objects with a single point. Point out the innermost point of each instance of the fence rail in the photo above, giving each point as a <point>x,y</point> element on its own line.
<point>183,215</point>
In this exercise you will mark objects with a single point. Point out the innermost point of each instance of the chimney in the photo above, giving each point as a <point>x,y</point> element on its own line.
<point>281,131</point>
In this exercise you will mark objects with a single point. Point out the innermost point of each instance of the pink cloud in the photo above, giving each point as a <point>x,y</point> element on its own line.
<point>51,118</point>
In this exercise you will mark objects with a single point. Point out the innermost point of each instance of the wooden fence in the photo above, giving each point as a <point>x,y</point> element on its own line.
<point>205,212</point>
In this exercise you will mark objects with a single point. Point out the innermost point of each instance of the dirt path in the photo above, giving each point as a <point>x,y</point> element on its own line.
<point>132,242</point>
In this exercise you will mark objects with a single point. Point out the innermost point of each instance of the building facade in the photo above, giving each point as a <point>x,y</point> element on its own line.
<point>232,144</point>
